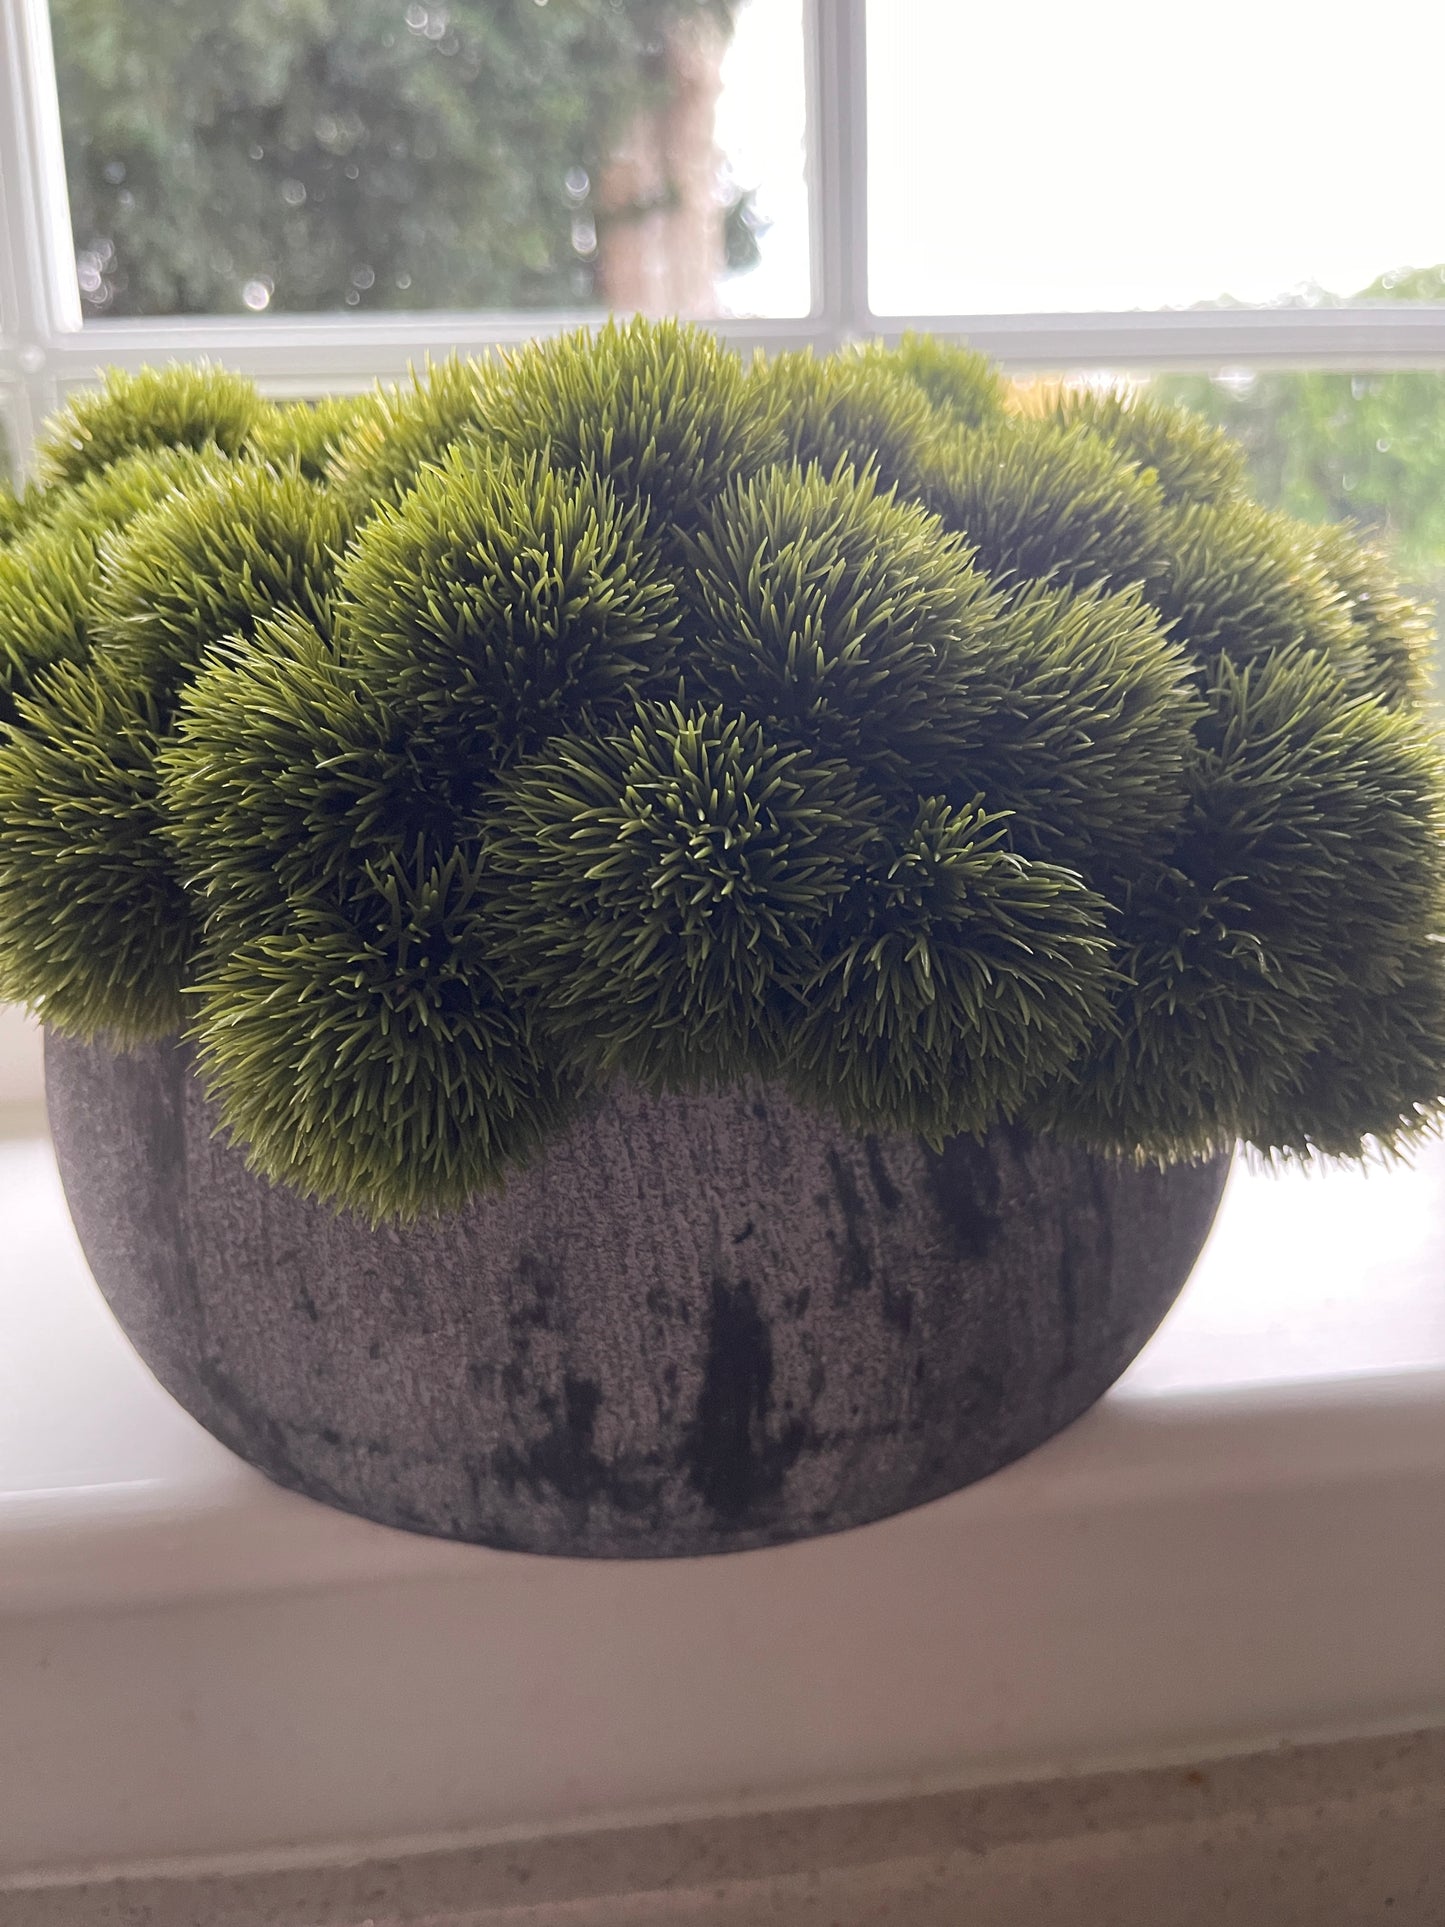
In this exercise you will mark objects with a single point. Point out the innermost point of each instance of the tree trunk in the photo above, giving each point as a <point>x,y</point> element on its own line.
<point>660,228</point>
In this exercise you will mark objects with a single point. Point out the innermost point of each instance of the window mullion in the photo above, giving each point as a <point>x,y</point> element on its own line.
<point>39,300</point>
<point>1359,336</point>
<point>838,155</point>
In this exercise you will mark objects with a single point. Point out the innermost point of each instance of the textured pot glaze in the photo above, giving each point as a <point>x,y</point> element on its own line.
<point>695,1324</point>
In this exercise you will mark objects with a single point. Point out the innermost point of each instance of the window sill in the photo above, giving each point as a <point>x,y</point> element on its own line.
<point>1240,1546</point>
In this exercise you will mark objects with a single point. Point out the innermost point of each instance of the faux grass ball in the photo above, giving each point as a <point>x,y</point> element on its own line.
<point>955,977</point>
<point>395,432</point>
<point>285,772</point>
<point>964,386</point>
<point>1191,460</point>
<point>96,934</point>
<point>1040,502</point>
<point>45,581</point>
<point>175,407</point>
<point>1237,581</point>
<point>1394,634</point>
<point>305,435</point>
<point>204,565</point>
<point>112,497</point>
<point>211,562</point>
<point>662,412</point>
<point>837,615</point>
<point>847,410</point>
<point>504,602</point>
<point>48,575</point>
<point>1373,1081</point>
<point>1088,744</point>
<point>1304,881</point>
<point>14,513</point>
<point>368,1056</point>
<point>664,887</point>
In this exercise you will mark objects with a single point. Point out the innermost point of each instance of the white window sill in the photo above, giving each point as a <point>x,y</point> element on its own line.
<point>1244,1544</point>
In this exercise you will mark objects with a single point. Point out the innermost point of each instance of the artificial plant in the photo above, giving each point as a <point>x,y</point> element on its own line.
<point>953,755</point>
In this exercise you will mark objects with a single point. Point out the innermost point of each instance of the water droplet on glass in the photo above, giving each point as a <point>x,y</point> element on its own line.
<point>256,296</point>
<point>257,151</point>
<point>584,235</point>
<point>363,277</point>
<point>352,298</point>
<point>293,193</point>
<point>114,172</point>
<point>403,281</point>
<point>415,18</point>
<point>577,183</point>
<point>1383,444</point>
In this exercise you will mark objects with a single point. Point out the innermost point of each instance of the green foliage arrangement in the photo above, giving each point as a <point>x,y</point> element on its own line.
<point>614,709</point>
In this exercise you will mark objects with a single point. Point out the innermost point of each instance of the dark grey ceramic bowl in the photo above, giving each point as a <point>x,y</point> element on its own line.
<point>694,1325</point>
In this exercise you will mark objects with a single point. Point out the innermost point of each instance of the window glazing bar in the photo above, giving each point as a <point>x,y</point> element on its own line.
<point>39,300</point>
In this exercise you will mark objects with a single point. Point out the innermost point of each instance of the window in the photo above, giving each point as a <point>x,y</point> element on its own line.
<point>1042,180</point>
<point>1236,202</point>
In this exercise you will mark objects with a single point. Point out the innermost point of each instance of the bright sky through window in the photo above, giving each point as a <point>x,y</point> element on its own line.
<point>1047,156</point>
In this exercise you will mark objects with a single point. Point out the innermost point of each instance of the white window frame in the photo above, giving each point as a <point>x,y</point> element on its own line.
<point>47,349</point>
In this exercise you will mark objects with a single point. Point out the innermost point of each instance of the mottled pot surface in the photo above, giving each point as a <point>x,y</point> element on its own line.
<point>694,1324</point>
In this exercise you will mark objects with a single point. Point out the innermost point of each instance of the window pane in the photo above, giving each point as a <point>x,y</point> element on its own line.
<point>1364,448</point>
<point>313,155</point>
<point>1047,156</point>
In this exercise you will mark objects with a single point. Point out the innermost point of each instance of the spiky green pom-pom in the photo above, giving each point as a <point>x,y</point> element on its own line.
<point>48,577</point>
<point>1191,460</point>
<point>396,432</point>
<point>1263,919</point>
<point>964,386</point>
<point>838,615</point>
<point>212,562</point>
<point>1375,1078</point>
<point>367,1055</point>
<point>14,513</point>
<point>95,932</point>
<point>1089,736</point>
<point>1041,502</point>
<point>44,611</point>
<point>112,497</point>
<point>659,410</point>
<point>285,772</point>
<point>305,435</point>
<point>1394,634</point>
<point>175,407</point>
<point>202,566</point>
<point>847,410</point>
<point>955,977</point>
<point>504,602</point>
<point>665,886</point>
<point>1236,581</point>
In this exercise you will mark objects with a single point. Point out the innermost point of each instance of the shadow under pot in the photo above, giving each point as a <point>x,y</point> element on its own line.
<point>694,1324</point>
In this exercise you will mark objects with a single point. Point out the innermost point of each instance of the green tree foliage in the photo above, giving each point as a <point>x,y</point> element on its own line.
<point>618,726</point>
<point>333,153</point>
